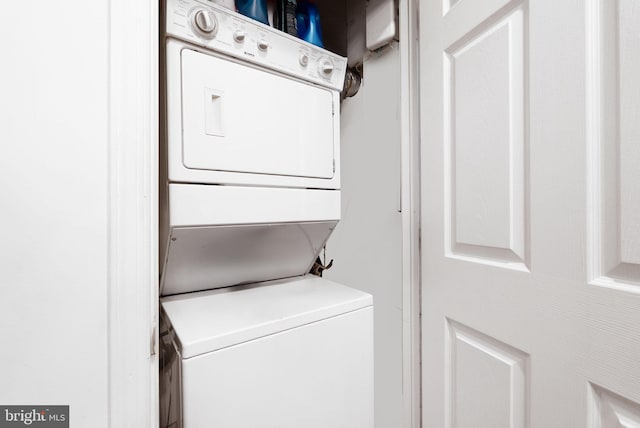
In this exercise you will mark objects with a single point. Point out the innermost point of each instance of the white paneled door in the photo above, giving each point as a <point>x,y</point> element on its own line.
<point>530,116</point>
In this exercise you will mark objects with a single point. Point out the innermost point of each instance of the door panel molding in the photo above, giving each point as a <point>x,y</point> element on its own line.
<point>613,93</point>
<point>610,410</point>
<point>485,106</point>
<point>497,372</point>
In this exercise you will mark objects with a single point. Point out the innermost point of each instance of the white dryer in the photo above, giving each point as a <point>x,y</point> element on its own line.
<point>248,104</point>
<point>250,153</point>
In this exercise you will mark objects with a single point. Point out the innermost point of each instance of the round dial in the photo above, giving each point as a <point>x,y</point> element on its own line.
<point>239,36</point>
<point>263,44</point>
<point>204,23</point>
<point>325,67</point>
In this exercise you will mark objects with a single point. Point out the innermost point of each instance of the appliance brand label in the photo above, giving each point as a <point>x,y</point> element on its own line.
<point>34,416</point>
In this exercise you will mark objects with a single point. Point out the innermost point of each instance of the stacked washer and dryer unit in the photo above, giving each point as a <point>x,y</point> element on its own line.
<point>250,192</point>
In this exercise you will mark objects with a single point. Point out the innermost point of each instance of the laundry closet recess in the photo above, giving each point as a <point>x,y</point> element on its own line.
<point>250,192</point>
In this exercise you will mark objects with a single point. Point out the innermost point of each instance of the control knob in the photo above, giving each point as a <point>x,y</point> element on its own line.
<point>325,67</point>
<point>263,45</point>
<point>205,23</point>
<point>239,36</point>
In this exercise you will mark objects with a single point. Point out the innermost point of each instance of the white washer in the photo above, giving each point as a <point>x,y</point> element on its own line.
<point>287,354</point>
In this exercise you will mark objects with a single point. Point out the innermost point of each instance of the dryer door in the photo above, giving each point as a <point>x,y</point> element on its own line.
<point>237,118</point>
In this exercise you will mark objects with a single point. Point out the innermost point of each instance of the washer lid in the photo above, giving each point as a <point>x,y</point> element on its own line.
<point>210,320</point>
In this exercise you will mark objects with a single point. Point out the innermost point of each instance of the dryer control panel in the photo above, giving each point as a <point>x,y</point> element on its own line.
<point>224,31</point>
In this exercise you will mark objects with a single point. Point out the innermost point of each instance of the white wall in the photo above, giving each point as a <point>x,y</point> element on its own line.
<point>367,244</point>
<point>53,196</point>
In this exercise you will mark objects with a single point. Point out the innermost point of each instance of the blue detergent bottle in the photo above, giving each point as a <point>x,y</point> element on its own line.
<point>255,9</point>
<point>308,20</point>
